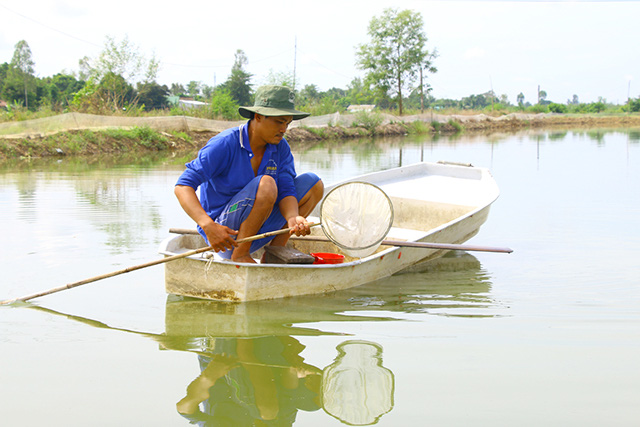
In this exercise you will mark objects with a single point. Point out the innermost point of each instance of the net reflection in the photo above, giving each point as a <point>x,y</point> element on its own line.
<point>356,388</point>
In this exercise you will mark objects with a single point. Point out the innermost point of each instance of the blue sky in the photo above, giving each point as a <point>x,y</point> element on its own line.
<point>587,48</point>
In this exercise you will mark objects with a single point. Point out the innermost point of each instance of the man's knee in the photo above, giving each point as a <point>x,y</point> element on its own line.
<point>267,190</point>
<point>318,189</point>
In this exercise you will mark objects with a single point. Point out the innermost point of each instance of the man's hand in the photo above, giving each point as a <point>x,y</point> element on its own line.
<point>299,226</point>
<point>220,236</point>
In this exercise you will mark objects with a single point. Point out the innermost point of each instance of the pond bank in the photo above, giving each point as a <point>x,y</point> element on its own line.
<point>112,141</point>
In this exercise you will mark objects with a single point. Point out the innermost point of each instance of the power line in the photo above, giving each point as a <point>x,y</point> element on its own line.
<point>49,27</point>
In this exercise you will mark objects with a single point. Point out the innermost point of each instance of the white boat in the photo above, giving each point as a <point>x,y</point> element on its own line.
<point>433,202</point>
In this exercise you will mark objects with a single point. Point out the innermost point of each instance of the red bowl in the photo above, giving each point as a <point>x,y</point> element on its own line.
<point>327,258</point>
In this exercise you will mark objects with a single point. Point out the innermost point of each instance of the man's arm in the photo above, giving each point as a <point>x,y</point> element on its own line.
<point>289,210</point>
<point>219,236</point>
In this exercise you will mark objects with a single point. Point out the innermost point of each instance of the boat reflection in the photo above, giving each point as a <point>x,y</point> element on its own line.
<point>453,285</point>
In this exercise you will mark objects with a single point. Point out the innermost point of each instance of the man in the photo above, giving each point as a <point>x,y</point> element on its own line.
<point>248,184</point>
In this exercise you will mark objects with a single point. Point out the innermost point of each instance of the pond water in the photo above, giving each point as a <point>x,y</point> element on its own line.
<point>548,335</point>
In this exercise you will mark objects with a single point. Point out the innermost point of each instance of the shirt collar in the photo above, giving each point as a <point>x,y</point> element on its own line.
<point>244,140</point>
<point>244,136</point>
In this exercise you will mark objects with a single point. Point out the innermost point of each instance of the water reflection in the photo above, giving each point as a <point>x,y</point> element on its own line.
<point>356,388</point>
<point>247,382</point>
<point>250,354</point>
<point>265,380</point>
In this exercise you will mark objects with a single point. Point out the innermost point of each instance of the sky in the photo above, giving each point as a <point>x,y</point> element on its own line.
<point>584,48</point>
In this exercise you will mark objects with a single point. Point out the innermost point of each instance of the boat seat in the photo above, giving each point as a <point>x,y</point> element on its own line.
<point>405,234</point>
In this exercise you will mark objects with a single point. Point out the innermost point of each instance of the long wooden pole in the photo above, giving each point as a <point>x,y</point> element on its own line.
<point>399,243</point>
<point>140,266</point>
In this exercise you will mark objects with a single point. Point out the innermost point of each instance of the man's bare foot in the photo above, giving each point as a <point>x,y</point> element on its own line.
<point>245,258</point>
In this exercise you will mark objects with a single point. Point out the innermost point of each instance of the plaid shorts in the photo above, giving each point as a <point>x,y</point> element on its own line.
<point>239,208</point>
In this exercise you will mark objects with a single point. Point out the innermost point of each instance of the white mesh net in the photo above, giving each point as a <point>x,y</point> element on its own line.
<point>356,216</point>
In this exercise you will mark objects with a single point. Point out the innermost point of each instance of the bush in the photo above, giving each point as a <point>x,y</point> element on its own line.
<point>596,107</point>
<point>538,108</point>
<point>419,127</point>
<point>557,108</point>
<point>634,105</point>
<point>223,106</point>
<point>369,121</point>
<point>455,125</point>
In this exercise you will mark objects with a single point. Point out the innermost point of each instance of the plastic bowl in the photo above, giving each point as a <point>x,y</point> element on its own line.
<point>327,258</point>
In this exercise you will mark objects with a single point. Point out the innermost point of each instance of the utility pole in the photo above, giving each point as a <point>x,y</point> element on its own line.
<point>629,97</point>
<point>295,53</point>
<point>421,94</point>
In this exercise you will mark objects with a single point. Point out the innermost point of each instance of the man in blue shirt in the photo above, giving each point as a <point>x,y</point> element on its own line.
<point>248,183</point>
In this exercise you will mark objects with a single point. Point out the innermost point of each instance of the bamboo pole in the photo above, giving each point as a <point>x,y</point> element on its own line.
<point>140,266</point>
<point>398,243</point>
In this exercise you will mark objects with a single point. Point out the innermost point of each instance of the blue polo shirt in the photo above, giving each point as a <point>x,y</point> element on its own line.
<point>223,168</point>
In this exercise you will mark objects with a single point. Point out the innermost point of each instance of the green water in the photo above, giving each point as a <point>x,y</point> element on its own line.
<point>548,335</point>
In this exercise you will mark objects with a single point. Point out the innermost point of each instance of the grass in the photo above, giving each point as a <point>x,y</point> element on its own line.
<point>419,127</point>
<point>87,142</point>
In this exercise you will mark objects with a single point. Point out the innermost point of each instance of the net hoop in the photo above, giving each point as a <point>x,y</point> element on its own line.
<point>356,216</point>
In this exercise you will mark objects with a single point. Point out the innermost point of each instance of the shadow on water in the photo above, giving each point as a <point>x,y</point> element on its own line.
<point>252,371</point>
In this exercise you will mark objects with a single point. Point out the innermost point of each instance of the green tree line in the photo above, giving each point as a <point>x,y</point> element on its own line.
<point>396,63</point>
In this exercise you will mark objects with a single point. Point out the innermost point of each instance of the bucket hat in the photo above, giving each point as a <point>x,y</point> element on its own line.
<point>273,101</point>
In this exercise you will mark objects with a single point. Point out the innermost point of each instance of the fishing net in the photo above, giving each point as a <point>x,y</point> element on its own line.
<point>356,216</point>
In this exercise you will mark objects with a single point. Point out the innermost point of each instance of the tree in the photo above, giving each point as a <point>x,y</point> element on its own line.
<point>520,99</point>
<point>121,58</point>
<point>118,66</point>
<point>22,64</point>
<point>193,87</point>
<point>177,89</point>
<point>396,53</point>
<point>359,92</point>
<point>238,84</point>
<point>61,89</point>
<point>152,95</point>
<point>634,105</point>
<point>115,91</point>
<point>308,95</point>
<point>279,78</point>
<point>542,97</point>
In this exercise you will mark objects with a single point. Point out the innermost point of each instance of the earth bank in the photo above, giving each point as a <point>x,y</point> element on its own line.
<point>92,142</point>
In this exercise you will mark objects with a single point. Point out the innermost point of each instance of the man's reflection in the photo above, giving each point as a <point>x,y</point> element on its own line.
<point>253,381</point>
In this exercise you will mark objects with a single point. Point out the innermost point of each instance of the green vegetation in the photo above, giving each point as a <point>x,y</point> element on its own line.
<point>122,81</point>
<point>91,142</point>
<point>396,54</point>
<point>369,121</point>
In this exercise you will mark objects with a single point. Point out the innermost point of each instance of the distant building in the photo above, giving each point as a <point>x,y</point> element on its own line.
<point>361,107</point>
<point>3,104</point>
<point>185,103</point>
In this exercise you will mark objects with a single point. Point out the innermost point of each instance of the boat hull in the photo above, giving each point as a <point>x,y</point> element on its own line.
<point>443,221</point>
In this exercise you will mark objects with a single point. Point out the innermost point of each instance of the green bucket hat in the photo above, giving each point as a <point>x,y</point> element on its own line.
<point>273,101</point>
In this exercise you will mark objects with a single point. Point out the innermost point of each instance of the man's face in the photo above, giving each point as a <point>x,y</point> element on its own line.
<point>272,129</point>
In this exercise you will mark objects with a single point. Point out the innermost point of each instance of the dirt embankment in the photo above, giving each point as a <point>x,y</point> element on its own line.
<point>97,142</point>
